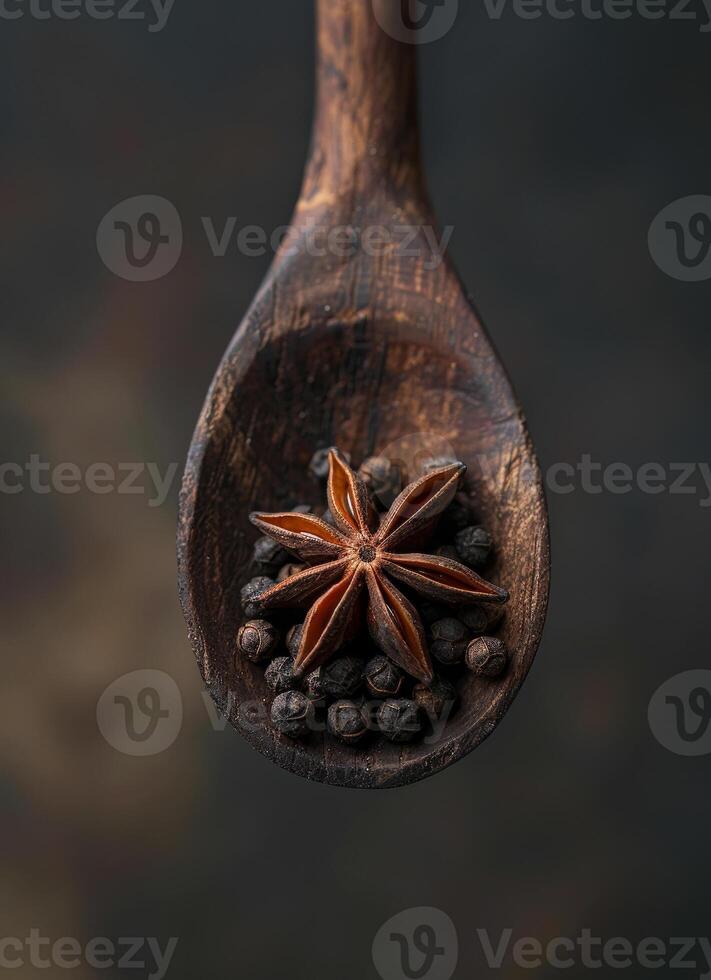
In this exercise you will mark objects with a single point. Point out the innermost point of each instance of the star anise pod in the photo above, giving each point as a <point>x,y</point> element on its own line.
<point>358,560</point>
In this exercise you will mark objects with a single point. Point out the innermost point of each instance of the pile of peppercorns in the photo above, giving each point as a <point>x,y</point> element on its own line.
<point>362,692</point>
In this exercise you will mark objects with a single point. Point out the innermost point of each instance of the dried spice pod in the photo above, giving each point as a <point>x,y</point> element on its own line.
<point>383,678</point>
<point>433,463</point>
<point>355,560</point>
<point>399,720</point>
<point>487,657</point>
<point>257,640</point>
<point>347,722</point>
<point>280,676</point>
<point>293,714</point>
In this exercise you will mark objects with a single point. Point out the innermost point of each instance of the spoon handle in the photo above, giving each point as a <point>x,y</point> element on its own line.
<point>365,129</point>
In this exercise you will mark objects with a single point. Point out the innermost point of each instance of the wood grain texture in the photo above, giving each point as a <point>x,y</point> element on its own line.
<point>371,349</point>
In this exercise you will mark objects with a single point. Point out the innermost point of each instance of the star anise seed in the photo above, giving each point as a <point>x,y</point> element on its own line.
<point>355,562</point>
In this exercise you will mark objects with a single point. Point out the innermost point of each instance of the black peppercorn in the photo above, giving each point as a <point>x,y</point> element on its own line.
<point>327,517</point>
<point>399,720</point>
<point>293,638</point>
<point>383,478</point>
<point>342,678</point>
<point>448,551</point>
<point>279,675</point>
<point>494,615</point>
<point>318,467</point>
<point>313,686</point>
<point>487,657</point>
<point>430,612</point>
<point>250,594</point>
<point>450,629</point>
<point>257,640</point>
<point>293,714</point>
<point>437,699</point>
<point>449,641</point>
<point>475,618</point>
<point>269,555</point>
<point>347,722</point>
<point>474,546</point>
<point>457,516</point>
<point>286,571</point>
<point>383,678</point>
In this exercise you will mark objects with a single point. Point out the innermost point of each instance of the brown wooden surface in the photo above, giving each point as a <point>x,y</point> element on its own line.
<point>361,352</point>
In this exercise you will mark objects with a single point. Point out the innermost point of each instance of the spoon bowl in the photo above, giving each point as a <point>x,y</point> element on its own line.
<point>373,347</point>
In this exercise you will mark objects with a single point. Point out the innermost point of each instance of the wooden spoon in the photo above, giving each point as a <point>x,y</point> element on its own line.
<point>368,342</point>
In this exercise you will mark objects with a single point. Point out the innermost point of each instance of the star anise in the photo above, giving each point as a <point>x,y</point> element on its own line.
<point>358,559</point>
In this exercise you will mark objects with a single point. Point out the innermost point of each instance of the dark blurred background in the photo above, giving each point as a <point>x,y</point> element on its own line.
<point>550,147</point>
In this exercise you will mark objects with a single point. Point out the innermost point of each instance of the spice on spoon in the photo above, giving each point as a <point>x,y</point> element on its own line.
<point>354,561</point>
<point>354,557</point>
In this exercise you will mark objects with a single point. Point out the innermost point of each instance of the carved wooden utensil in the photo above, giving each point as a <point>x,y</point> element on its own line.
<point>369,346</point>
